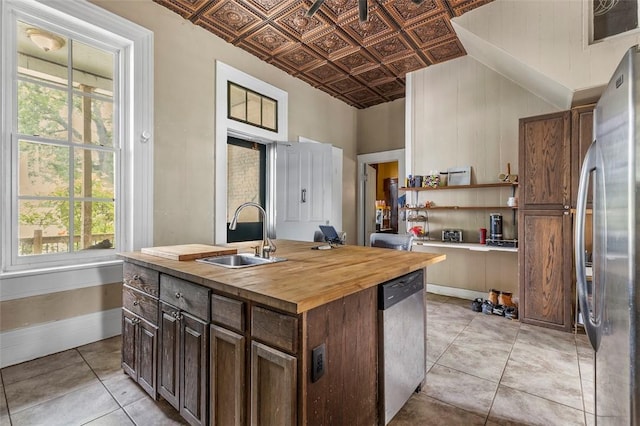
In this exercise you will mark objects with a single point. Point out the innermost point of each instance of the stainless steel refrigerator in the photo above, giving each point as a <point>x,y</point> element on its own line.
<point>610,304</point>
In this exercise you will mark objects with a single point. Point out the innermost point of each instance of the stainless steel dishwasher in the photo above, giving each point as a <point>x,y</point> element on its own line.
<point>401,324</point>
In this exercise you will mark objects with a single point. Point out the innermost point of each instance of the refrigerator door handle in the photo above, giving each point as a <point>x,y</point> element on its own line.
<point>591,324</point>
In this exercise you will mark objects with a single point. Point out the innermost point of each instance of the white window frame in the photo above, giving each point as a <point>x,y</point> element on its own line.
<point>135,175</point>
<point>226,126</point>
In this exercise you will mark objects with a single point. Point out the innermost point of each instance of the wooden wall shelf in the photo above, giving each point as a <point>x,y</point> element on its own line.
<point>460,208</point>
<point>475,186</point>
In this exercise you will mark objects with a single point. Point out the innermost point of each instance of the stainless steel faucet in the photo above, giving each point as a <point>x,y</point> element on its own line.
<point>267,246</point>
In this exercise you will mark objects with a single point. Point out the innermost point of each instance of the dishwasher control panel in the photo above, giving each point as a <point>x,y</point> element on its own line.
<point>400,288</point>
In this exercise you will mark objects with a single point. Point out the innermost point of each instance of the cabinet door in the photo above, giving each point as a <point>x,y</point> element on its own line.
<point>129,342</point>
<point>226,377</point>
<point>169,356</point>
<point>545,268</point>
<point>273,387</point>
<point>193,369</point>
<point>146,355</point>
<point>581,138</point>
<point>545,162</point>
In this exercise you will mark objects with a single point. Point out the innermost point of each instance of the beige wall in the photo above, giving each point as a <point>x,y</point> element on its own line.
<point>464,114</point>
<point>184,182</point>
<point>549,36</point>
<point>381,127</point>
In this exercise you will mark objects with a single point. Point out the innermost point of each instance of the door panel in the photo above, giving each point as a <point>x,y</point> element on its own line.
<point>147,348</point>
<point>193,369</point>
<point>226,377</point>
<point>169,357</point>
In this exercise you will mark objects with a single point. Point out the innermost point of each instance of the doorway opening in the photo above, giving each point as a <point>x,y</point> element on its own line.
<point>246,182</point>
<point>378,194</point>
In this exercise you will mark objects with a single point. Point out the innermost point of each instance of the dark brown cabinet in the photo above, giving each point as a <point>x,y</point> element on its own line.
<point>183,348</point>
<point>140,326</point>
<point>273,387</point>
<point>227,395</point>
<point>551,151</point>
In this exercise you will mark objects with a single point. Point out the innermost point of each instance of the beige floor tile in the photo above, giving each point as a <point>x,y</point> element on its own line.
<point>124,389</point>
<point>512,407</point>
<point>75,408</point>
<point>39,366</point>
<point>483,362</point>
<point>36,390</point>
<point>546,373</point>
<point>424,411</point>
<point>147,412</point>
<point>482,339</point>
<point>586,362</point>
<point>4,411</point>
<point>115,418</point>
<point>459,389</point>
<point>547,339</point>
<point>436,345</point>
<point>104,356</point>
<point>588,395</point>
<point>590,419</point>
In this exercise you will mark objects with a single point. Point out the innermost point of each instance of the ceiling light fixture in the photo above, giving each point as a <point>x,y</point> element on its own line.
<point>45,40</point>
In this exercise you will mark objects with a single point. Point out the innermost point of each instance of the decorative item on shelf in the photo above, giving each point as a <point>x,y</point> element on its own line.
<point>508,177</point>
<point>459,175</point>
<point>452,235</point>
<point>417,231</point>
<point>512,202</point>
<point>417,218</point>
<point>432,180</point>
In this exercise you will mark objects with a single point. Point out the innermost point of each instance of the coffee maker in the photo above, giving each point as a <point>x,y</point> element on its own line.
<point>496,236</point>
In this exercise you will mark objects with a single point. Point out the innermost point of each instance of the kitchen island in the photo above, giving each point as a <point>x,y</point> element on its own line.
<point>293,342</point>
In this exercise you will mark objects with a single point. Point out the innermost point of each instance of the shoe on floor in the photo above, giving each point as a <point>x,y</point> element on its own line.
<point>498,310</point>
<point>511,312</point>
<point>476,305</point>
<point>487,307</point>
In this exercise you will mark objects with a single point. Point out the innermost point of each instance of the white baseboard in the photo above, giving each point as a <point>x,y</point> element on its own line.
<point>25,344</point>
<point>455,292</point>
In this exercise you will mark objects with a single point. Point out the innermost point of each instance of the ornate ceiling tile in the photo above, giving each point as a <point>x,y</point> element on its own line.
<point>299,57</point>
<point>308,80</point>
<point>268,8</point>
<point>253,50</point>
<point>231,16</point>
<point>390,48</point>
<point>269,40</point>
<point>389,88</point>
<point>339,10</point>
<point>185,8</point>
<point>332,43</point>
<point>362,95</point>
<point>356,62</point>
<point>223,33</point>
<point>377,27</point>
<point>406,12</point>
<point>445,51</point>
<point>345,85</point>
<point>402,66</point>
<point>432,31</point>
<point>325,73</point>
<point>466,6</point>
<point>295,22</point>
<point>375,76</point>
<point>371,103</point>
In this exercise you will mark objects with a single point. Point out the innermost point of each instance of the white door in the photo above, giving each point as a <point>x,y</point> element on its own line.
<point>304,189</point>
<point>370,179</point>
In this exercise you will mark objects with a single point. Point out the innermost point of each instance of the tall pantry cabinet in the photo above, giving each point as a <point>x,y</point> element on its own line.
<point>550,155</point>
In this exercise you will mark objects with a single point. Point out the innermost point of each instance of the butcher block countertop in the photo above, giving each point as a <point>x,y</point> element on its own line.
<point>308,279</point>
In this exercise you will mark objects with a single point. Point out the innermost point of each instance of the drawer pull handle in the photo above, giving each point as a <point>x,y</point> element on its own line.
<point>135,321</point>
<point>178,295</point>
<point>136,303</point>
<point>136,277</point>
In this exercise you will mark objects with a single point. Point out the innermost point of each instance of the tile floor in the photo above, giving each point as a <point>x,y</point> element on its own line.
<point>482,369</point>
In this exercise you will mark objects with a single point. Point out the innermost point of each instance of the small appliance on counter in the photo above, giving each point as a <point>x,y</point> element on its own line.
<point>452,235</point>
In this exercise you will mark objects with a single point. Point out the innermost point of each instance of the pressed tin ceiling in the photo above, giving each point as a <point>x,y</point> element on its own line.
<point>362,64</point>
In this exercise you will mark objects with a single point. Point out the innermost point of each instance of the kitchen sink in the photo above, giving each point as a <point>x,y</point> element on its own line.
<point>242,260</point>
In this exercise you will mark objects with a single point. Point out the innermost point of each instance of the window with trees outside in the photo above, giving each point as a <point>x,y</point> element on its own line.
<point>70,96</point>
<point>65,144</point>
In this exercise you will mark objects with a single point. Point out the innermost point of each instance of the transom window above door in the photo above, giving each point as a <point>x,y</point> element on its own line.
<point>250,107</point>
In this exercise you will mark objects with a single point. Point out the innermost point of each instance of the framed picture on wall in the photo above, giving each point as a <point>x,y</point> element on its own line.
<point>608,18</point>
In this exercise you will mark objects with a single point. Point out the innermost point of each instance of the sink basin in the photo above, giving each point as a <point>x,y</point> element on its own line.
<point>243,260</point>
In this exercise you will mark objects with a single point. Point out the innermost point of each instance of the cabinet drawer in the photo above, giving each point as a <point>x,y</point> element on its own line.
<point>141,278</point>
<point>140,304</point>
<point>187,296</point>
<point>274,328</point>
<point>228,312</point>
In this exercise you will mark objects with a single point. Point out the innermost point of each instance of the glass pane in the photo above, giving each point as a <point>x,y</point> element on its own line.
<point>43,227</point>
<point>92,121</point>
<point>43,170</point>
<point>237,102</point>
<point>243,172</point>
<point>42,54</point>
<point>253,108</point>
<point>95,225</point>
<point>94,174</point>
<point>93,68</point>
<point>42,111</point>
<point>269,113</point>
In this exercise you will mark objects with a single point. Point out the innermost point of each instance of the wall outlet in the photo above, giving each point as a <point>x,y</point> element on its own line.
<point>318,362</point>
